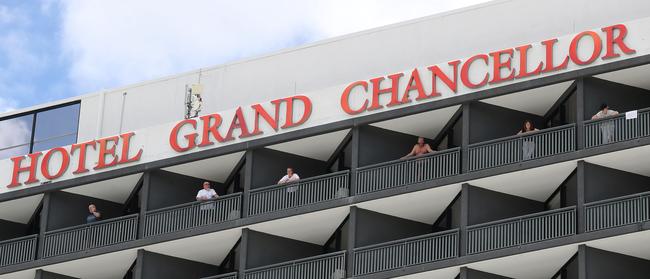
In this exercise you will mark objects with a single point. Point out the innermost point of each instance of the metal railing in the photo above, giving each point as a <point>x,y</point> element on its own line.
<point>617,128</point>
<point>232,275</point>
<point>617,212</point>
<point>523,147</point>
<point>328,266</point>
<point>521,230</point>
<point>306,191</point>
<point>194,214</point>
<point>406,252</point>
<point>18,250</point>
<point>88,236</point>
<point>408,171</point>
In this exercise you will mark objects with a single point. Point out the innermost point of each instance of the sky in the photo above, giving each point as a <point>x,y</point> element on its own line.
<point>55,49</point>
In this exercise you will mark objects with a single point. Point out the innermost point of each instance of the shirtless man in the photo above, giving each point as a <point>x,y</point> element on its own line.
<point>420,148</point>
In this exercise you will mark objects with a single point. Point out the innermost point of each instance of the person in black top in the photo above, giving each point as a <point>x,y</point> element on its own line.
<point>93,215</point>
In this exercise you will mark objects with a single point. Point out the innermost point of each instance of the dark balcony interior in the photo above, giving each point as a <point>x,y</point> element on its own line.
<point>264,249</point>
<point>20,224</point>
<point>618,96</point>
<point>569,270</point>
<point>270,165</point>
<point>158,266</point>
<point>393,139</point>
<point>42,274</point>
<point>68,209</point>
<point>486,205</point>
<point>468,273</point>
<point>488,122</point>
<point>169,188</point>
<point>603,183</point>
<point>602,264</point>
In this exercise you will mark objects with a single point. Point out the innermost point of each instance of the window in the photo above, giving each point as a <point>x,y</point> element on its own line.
<point>39,130</point>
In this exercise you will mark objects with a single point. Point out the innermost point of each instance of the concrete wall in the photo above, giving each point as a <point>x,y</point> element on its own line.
<point>373,227</point>
<point>42,274</point>
<point>619,97</point>
<point>487,121</point>
<point>270,165</point>
<point>604,183</point>
<point>601,264</point>
<point>265,249</point>
<point>158,266</point>
<point>377,145</point>
<point>68,209</point>
<point>486,205</point>
<point>169,188</point>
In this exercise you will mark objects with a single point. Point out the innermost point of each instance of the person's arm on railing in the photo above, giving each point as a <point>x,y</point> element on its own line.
<point>429,149</point>
<point>412,153</point>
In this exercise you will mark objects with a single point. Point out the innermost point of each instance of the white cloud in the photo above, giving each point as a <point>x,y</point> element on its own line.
<point>6,105</point>
<point>113,43</point>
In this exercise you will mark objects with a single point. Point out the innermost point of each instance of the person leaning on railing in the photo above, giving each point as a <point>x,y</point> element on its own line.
<point>606,127</point>
<point>204,195</point>
<point>420,148</point>
<point>94,215</point>
<point>527,146</point>
<point>290,177</point>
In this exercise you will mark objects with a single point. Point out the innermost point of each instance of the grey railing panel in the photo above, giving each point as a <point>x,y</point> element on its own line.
<point>329,266</point>
<point>521,230</point>
<point>408,171</point>
<point>232,275</point>
<point>406,252</point>
<point>18,250</point>
<point>99,234</point>
<point>191,215</point>
<point>615,129</point>
<point>518,148</point>
<point>304,192</point>
<point>617,212</point>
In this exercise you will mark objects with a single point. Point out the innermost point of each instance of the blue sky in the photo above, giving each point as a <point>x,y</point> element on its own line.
<point>54,49</point>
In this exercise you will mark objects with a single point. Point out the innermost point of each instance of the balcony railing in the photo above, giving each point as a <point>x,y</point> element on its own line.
<point>328,266</point>
<point>618,128</point>
<point>88,236</point>
<point>193,214</point>
<point>406,252</point>
<point>617,212</point>
<point>521,230</point>
<point>408,171</point>
<point>232,275</point>
<point>17,250</point>
<point>306,191</point>
<point>523,147</point>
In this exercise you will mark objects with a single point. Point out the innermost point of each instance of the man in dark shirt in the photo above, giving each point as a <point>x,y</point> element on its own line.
<point>94,215</point>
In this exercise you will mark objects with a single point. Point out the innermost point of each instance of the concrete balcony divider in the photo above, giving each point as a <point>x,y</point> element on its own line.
<point>232,275</point>
<point>618,128</point>
<point>402,172</point>
<point>406,252</point>
<point>194,214</point>
<point>18,250</point>
<point>617,212</point>
<point>88,236</point>
<point>521,230</point>
<point>328,266</point>
<point>518,148</point>
<point>304,192</point>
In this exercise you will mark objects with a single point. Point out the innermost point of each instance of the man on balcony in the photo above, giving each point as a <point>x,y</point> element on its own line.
<point>606,127</point>
<point>94,215</point>
<point>290,177</point>
<point>419,148</point>
<point>207,209</point>
<point>206,193</point>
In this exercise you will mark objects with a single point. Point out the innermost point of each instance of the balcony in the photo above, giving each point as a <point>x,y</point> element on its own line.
<point>617,212</point>
<point>232,275</point>
<point>18,250</point>
<point>304,192</point>
<point>88,236</point>
<point>397,173</point>
<point>406,252</point>
<point>521,230</point>
<point>616,129</point>
<point>328,266</point>
<point>518,148</point>
<point>191,215</point>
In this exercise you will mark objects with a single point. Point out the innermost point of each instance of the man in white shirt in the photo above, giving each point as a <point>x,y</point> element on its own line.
<point>206,193</point>
<point>208,212</point>
<point>289,177</point>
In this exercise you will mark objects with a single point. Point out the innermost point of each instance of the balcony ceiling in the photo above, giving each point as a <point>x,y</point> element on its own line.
<point>115,190</point>
<point>423,206</point>
<point>427,124</point>
<point>536,101</point>
<point>316,227</point>
<point>637,76</point>
<point>209,248</point>
<point>105,266</point>
<point>215,169</point>
<point>445,273</point>
<point>319,147</point>
<point>634,160</point>
<point>20,210</point>
<point>628,244</point>
<point>536,184</point>
<point>538,264</point>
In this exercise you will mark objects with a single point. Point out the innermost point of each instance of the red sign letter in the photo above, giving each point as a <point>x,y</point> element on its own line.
<point>126,142</point>
<point>573,49</point>
<point>345,98</point>
<point>81,167</point>
<point>377,91</point>
<point>191,138</point>
<point>611,41</point>
<point>464,72</point>
<point>31,169</point>
<point>104,151</point>
<point>65,161</point>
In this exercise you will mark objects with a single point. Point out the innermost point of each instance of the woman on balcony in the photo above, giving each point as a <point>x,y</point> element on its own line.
<point>606,127</point>
<point>527,146</point>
